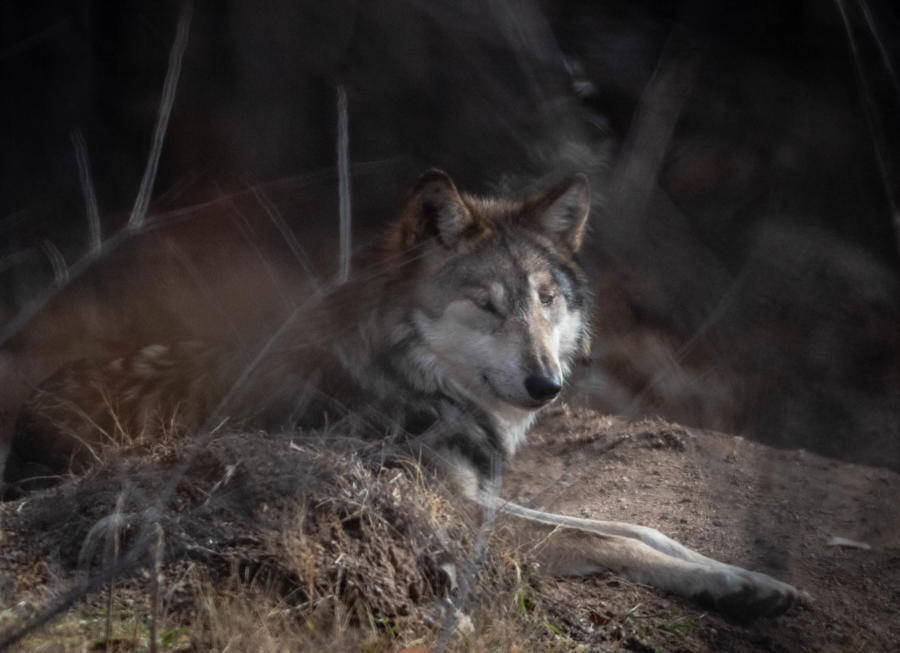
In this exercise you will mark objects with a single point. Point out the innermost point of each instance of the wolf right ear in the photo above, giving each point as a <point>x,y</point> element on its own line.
<point>564,210</point>
<point>435,208</point>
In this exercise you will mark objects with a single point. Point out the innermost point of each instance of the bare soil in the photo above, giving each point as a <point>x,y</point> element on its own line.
<point>342,555</point>
<point>766,509</point>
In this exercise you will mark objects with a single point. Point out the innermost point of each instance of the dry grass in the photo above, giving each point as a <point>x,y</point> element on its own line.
<point>236,615</point>
<point>356,566</point>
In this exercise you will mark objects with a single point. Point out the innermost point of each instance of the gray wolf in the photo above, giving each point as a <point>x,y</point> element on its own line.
<point>466,321</point>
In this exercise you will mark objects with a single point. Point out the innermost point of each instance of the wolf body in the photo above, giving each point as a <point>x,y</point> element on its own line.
<point>466,320</point>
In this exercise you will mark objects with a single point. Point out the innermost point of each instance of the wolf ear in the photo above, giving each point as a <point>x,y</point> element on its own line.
<point>564,210</point>
<point>435,208</point>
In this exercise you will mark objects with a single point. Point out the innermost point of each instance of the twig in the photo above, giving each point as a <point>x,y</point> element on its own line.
<point>208,294</point>
<point>876,132</point>
<point>142,201</point>
<point>248,233</point>
<point>34,40</point>
<point>87,189</point>
<point>285,231</point>
<point>885,57</point>
<point>469,572</point>
<point>64,275</point>
<point>136,220</point>
<point>154,586</point>
<point>112,565</point>
<point>57,262</point>
<point>343,159</point>
<point>158,221</point>
<point>17,258</point>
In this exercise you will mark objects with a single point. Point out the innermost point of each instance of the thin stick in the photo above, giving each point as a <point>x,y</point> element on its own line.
<point>285,231</point>
<point>17,258</point>
<point>144,538</point>
<point>87,189</point>
<point>469,572</point>
<point>874,124</point>
<point>343,159</point>
<point>885,57</point>
<point>154,587</point>
<point>65,275</point>
<point>135,221</point>
<point>112,561</point>
<point>57,262</point>
<point>158,221</point>
<point>142,201</point>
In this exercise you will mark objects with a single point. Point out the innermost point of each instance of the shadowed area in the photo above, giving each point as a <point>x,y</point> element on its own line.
<point>177,173</point>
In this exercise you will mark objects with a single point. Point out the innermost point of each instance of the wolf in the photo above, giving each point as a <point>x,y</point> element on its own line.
<point>465,321</point>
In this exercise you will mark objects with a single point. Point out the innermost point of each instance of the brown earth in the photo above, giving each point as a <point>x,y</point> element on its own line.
<point>738,501</point>
<point>267,545</point>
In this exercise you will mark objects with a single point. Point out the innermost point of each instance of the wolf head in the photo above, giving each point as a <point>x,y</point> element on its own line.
<point>498,301</point>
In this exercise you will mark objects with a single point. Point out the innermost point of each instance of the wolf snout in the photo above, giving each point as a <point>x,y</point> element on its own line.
<point>543,388</point>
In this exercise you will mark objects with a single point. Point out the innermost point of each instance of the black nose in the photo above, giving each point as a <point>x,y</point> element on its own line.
<point>543,388</point>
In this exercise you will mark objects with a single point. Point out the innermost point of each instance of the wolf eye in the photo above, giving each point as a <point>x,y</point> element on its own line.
<point>546,298</point>
<point>484,299</point>
<point>484,303</point>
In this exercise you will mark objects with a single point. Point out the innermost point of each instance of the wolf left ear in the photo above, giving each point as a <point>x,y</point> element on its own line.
<point>563,210</point>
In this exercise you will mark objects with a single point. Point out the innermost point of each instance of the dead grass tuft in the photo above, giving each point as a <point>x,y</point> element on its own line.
<point>267,546</point>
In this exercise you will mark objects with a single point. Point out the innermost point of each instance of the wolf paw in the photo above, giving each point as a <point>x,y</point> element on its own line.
<point>748,595</point>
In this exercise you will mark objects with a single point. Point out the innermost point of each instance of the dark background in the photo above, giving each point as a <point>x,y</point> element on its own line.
<point>743,163</point>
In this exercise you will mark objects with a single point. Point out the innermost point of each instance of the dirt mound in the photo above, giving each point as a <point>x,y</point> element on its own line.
<point>739,501</point>
<point>301,522</point>
<point>269,543</point>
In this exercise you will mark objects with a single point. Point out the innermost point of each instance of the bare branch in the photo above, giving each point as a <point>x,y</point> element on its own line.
<point>57,262</point>
<point>882,50</point>
<point>873,121</point>
<point>17,258</point>
<point>142,201</point>
<point>112,556</point>
<point>285,231</point>
<point>64,275</point>
<point>154,586</point>
<point>343,159</point>
<point>87,189</point>
<point>158,221</point>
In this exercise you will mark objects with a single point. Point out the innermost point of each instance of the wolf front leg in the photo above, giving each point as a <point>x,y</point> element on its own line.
<point>575,547</point>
